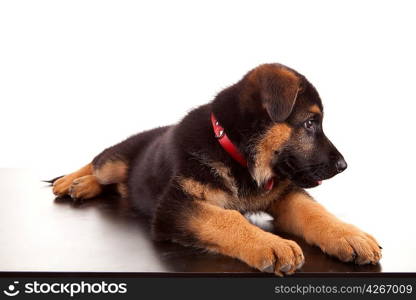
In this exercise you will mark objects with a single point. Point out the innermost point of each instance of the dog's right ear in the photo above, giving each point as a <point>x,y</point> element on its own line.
<point>277,87</point>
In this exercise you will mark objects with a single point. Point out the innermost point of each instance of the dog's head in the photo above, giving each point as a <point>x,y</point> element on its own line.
<point>282,133</point>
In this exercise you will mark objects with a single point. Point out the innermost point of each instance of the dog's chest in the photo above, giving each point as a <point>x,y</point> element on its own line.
<point>234,199</point>
<point>259,202</point>
<point>231,199</point>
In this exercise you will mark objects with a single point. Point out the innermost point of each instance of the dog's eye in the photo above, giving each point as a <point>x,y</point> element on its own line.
<point>309,124</point>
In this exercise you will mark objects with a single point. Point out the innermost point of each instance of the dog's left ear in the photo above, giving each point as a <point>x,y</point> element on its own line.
<point>278,88</point>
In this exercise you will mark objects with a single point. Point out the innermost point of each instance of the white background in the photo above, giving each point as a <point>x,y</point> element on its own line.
<point>79,76</point>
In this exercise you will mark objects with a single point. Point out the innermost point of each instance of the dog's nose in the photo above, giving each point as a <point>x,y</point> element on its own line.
<point>341,165</point>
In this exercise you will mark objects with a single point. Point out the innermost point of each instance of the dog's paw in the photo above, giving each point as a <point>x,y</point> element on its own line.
<point>84,187</point>
<point>350,244</point>
<point>275,255</point>
<point>61,185</point>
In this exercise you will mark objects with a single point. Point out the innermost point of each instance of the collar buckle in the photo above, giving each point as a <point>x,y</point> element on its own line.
<point>219,134</point>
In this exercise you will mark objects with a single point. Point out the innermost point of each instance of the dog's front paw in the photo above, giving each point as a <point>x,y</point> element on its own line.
<point>275,255</point>
<point>350,244</point>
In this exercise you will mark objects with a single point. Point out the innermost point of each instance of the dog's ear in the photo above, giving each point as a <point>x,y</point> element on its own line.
<point>278,88</point>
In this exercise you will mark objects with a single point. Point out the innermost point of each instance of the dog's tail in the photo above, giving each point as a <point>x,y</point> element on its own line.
<point>51,181</point>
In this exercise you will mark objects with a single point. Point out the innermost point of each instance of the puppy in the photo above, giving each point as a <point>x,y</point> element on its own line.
<point>255,147</point>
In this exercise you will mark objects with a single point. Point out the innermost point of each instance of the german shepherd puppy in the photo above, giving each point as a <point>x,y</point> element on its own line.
<point>255,147</point>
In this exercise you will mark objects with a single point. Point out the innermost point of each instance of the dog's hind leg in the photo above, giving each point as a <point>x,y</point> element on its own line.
<point>85,187</point>
<point>88,181</point>
<point>109,167</point>
<point>62,185</point>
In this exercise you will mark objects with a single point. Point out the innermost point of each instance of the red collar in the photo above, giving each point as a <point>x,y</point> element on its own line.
<point>231,149</point>
<point>226,143</point>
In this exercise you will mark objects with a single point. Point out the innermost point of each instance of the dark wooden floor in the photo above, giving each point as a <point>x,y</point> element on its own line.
<point>39,233</point>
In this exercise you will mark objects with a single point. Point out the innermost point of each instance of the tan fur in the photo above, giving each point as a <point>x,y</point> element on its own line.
<point>113,171</point>
<point>205,192</point>
<point>299,214</point>
<point>122,189</point>
<point>229,233</point>
<point>228,200</point>
<point>315,109</point>
<point>271,141</point>
<point>85,187</point>
<point>62,185</point>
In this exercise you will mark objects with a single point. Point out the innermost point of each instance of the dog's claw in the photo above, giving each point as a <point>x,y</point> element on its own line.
<point>268,269</point>
<point>285,268</point>
<point>300,265</point>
